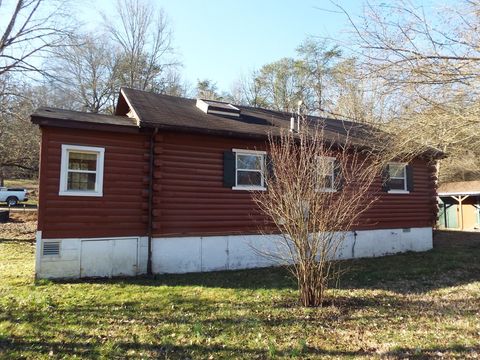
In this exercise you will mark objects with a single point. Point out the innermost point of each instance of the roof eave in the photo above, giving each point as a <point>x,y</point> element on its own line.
<point>74,124</point>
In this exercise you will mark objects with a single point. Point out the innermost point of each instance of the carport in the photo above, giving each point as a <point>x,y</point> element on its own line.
<point>459,205</point>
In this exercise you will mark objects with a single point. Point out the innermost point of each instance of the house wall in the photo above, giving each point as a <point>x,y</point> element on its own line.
<point>190,199</point>
<point>198,224</point>
<point>123,208</point>
<point>212,253</point>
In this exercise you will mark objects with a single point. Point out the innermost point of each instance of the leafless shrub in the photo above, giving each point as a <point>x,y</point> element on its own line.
<point>319,185</point>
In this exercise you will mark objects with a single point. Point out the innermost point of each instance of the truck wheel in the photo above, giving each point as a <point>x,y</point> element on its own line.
<point>12,201</point>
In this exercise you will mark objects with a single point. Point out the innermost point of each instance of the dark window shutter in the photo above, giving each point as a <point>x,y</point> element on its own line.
<point>229,169</point>
<point>409,170</point>
<point>386,178</point>
<point>270,172</point>
<point>338,175</point>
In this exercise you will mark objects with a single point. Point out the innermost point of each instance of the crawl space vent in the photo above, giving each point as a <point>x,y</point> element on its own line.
<point>51,248</point>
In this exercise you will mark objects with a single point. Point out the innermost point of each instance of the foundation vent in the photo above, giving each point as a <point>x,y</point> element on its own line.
<point>51,248</point>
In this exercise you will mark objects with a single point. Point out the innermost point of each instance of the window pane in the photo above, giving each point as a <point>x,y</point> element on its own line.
<point>397,184</point>
<point>82,161</point>
<point>396,170</point>
<point>325,182</point>
<point>325,166</point>
<point>81,181</point>
<point>251,162</point>
<point>249,178</point>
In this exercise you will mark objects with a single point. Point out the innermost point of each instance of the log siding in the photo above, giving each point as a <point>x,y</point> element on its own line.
<point>189,198</point>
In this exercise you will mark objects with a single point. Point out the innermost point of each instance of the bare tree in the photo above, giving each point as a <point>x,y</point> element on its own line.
<point>246,90</point>
<point>33,28</point>
<point>318,188</point>
<point>145,40</point>
<point>86,69</point>
<point>425,62</point>
<point>19,138</point>
<point>207,89</point>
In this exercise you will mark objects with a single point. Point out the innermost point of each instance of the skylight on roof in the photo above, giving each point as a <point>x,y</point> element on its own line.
<point>218,108</point>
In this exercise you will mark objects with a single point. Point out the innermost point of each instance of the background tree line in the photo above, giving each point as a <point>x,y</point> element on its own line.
<point>410,71</point>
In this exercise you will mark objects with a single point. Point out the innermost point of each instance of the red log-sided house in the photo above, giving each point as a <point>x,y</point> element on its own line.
<point>164,186</point>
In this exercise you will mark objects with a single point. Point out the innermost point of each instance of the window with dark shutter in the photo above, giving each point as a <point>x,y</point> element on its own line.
<point>249,169</point>
<point>397,178</point>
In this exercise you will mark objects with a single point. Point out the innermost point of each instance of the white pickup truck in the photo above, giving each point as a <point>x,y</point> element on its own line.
<point>13,196</point>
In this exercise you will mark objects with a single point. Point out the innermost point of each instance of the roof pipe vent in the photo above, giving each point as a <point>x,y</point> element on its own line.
<point>217,108</point>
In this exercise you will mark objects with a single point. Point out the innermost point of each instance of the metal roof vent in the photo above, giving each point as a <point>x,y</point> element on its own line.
<point>218,108</point>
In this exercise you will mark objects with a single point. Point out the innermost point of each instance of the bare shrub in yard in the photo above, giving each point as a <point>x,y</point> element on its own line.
<point>317,189</point>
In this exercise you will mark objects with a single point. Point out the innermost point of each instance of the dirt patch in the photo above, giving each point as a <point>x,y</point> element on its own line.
<point>448,239</point>
<point>22,226</point>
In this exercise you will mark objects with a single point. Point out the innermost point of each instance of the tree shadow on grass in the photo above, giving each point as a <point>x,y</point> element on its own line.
<point>173,351</point>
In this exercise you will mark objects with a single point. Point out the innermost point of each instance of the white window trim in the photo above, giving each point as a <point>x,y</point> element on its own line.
<point>250,187</point>
<point>332,160</point>
<point>100,152</point>
<point>404,190</point>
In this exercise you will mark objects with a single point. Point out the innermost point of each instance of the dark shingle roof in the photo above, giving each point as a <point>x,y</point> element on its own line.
<point>171,112</point>
<point>82,117</point>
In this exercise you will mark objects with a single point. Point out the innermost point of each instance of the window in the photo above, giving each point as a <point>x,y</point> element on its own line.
<point>398,178</point>
<point>397,174</point>
<point>81,172</point>
<point>326,174</point>
<point>249,170</point>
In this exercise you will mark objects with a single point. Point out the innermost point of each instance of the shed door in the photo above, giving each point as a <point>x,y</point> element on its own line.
<point>105,258</point>
<point>452,216</point>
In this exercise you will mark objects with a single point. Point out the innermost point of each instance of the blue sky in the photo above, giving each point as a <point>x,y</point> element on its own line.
<point>221,39</point>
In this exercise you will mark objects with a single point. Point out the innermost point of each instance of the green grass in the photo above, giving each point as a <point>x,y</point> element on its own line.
<point>422,305</point>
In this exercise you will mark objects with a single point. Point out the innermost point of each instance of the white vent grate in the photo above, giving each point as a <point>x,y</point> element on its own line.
<point>51,248</point>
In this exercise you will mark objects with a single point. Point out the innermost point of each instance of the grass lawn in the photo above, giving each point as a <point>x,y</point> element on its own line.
<point>423,305</point>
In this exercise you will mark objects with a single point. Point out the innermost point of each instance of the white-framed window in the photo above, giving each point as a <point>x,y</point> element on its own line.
<point>249,170</point>
<point>397,177</point>
<point>81,171</point>
<point>326,174</point>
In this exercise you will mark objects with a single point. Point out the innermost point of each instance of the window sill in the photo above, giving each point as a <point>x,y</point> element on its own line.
<point>326,190</point>
<point>249,188</point>
<point>398,192</point>
<point>80,193</point>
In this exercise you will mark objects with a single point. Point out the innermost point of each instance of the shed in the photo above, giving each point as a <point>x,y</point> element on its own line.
<point>459,205</point>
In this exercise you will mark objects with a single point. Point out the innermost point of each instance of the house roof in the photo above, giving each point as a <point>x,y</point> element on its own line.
<point>61,117</point>
<point>459,188</point>
<point>176,113</point>
<point>141,111</point>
